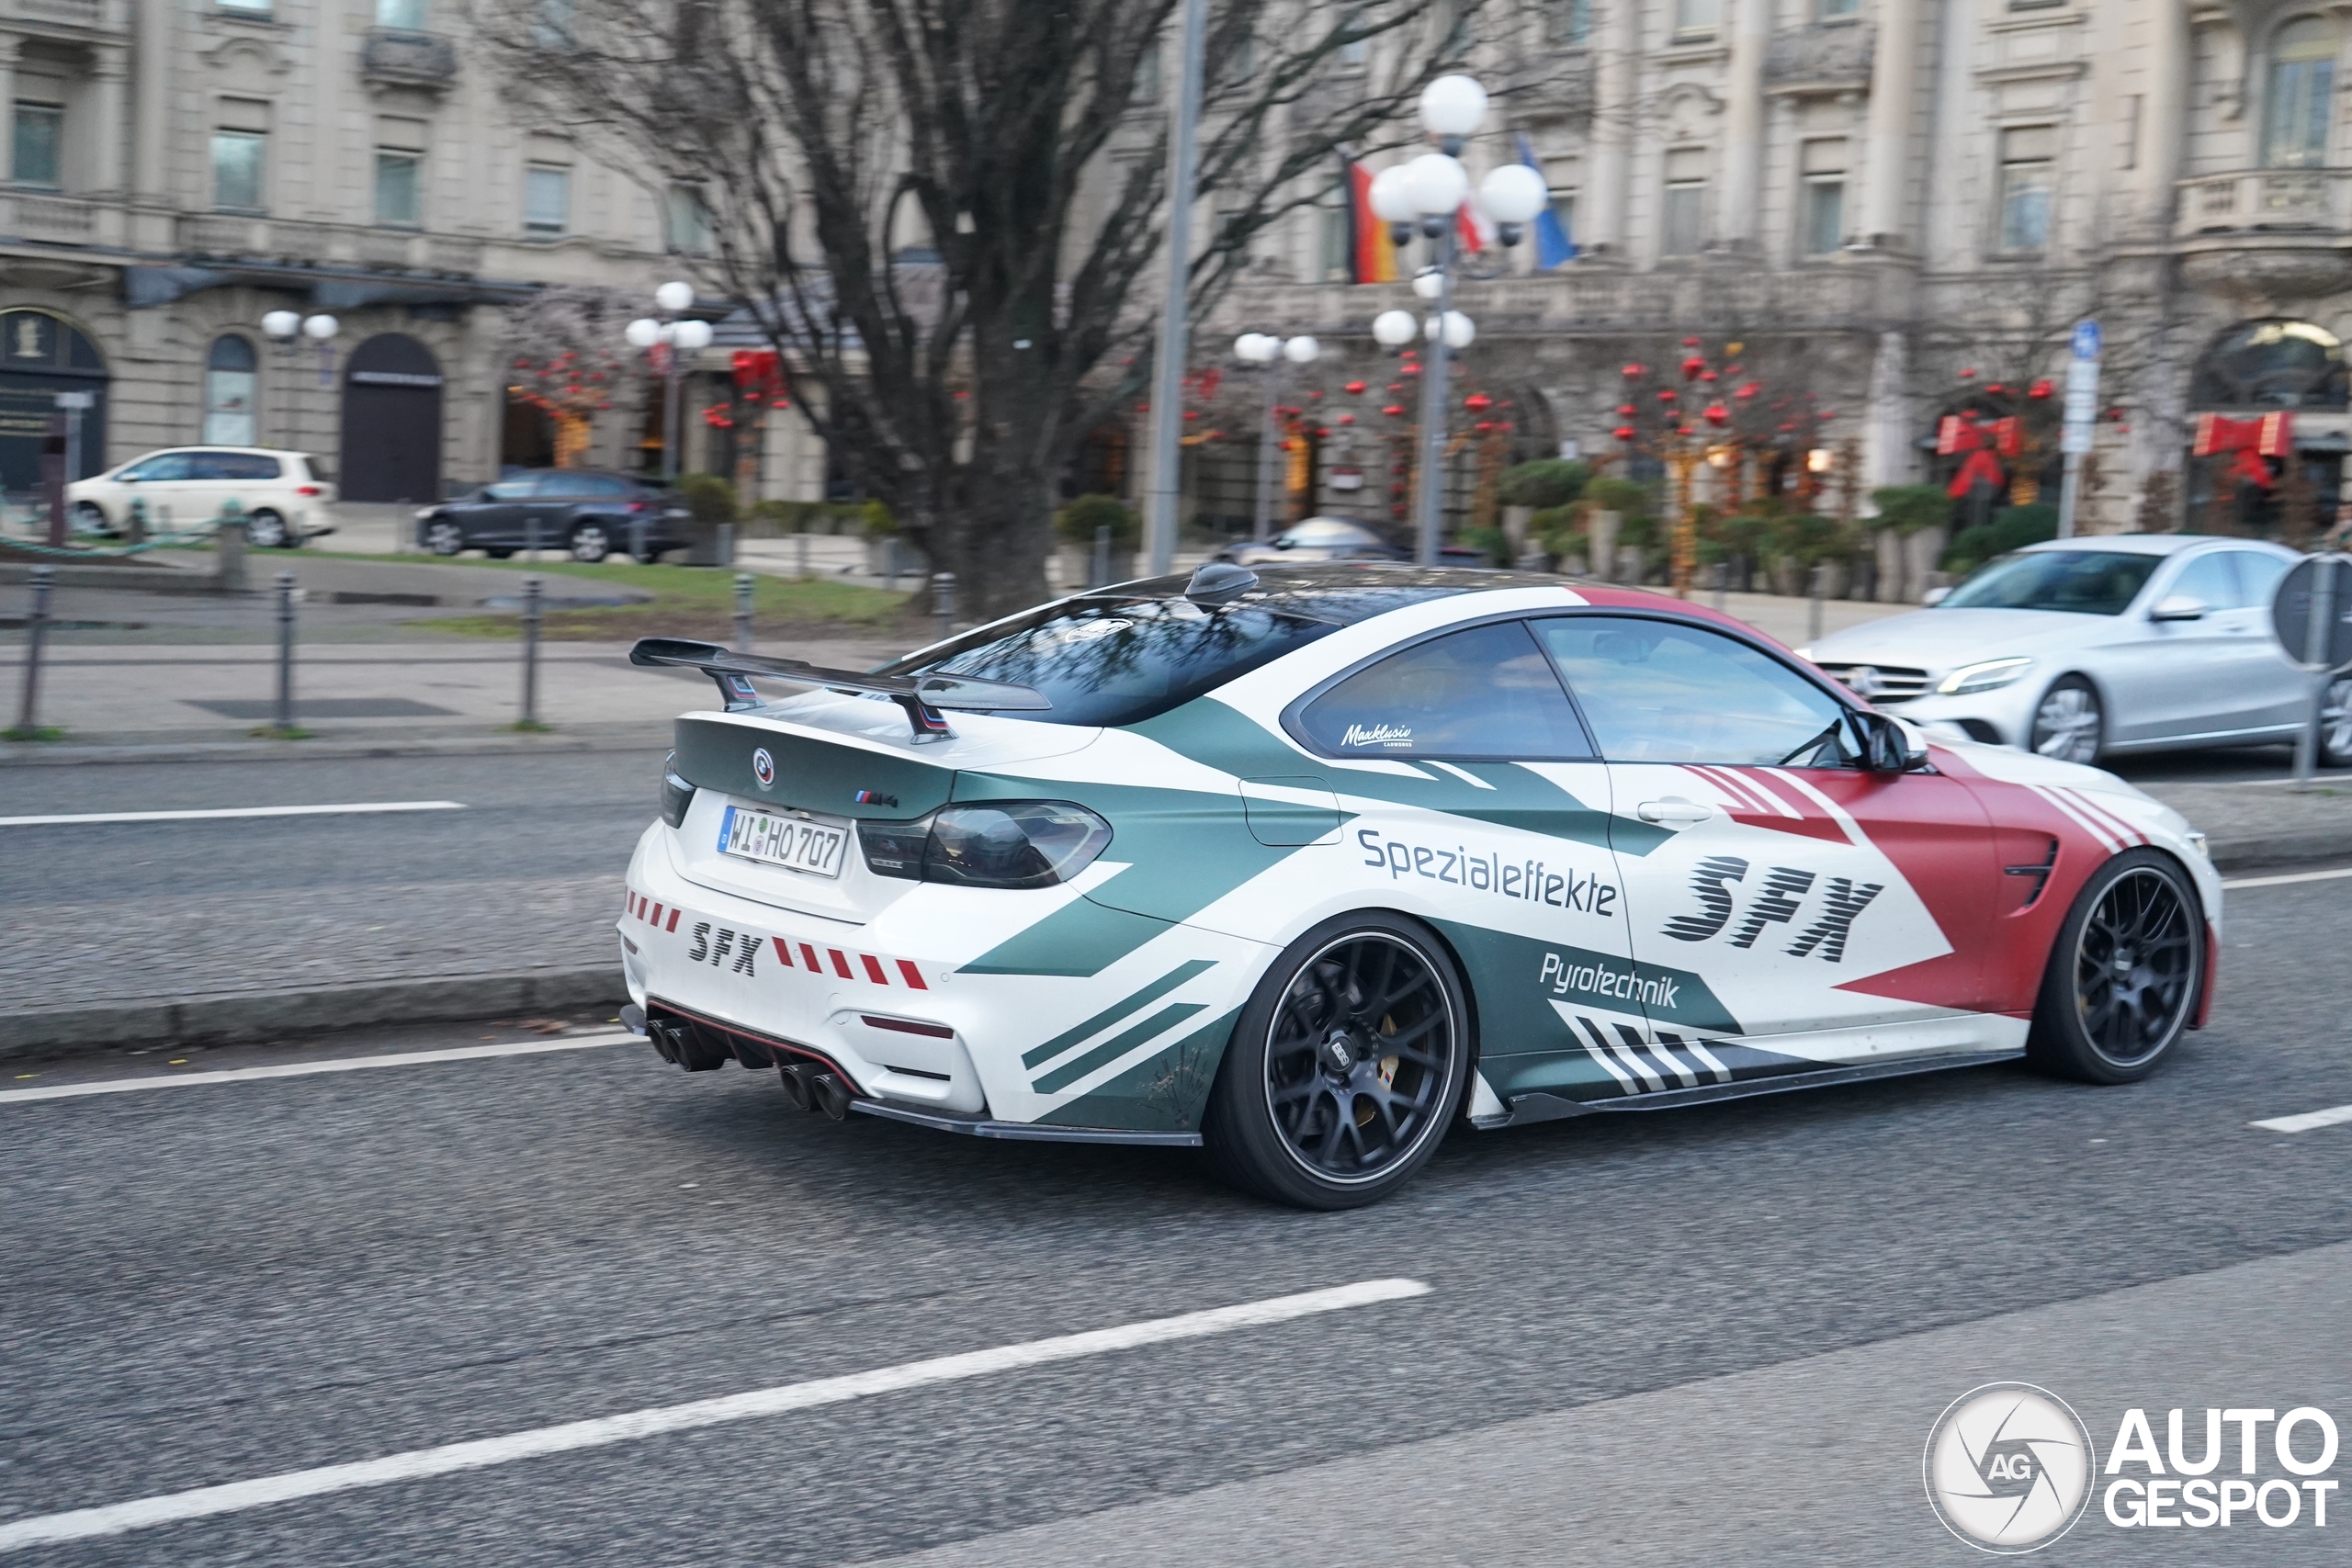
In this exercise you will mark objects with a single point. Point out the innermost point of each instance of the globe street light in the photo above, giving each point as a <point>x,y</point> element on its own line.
<point>674,338</point>
<point>287,329</point>
<point>1426,193</point>
<point>1270,354</point>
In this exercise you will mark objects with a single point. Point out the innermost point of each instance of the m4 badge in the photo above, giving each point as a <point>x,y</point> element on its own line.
<point>1777,897</point>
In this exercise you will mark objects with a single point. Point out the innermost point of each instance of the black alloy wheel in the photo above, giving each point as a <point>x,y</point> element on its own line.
<point>2125,977</point>
<point>2068,724</point>
<point>444,538</point>
<point>590,543</point>
<point>89,517</point>
<point>2336,723</point>
<point>1345,1068</point>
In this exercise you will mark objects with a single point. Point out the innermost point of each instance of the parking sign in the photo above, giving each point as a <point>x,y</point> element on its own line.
<point>2088,340</point>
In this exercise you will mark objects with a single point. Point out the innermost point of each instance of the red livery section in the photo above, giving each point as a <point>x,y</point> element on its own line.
<point>872,968</point>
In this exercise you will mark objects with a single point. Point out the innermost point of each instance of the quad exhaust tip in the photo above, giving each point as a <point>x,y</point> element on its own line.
<point>796,1076</point>
<point>831,1095</point>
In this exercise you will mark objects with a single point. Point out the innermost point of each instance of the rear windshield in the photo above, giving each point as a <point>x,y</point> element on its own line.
<point>2083,582</point>
<point>1110,661</point>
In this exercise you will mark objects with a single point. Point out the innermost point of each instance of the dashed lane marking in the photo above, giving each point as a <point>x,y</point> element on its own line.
<point>2341,871</point>
<point>73,819</point>
<point>2330,1117</point>
<point>119,1518</point>
<point>303,1069</point>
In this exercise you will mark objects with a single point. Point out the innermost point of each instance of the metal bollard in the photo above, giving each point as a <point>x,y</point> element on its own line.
<point>1817,590</point>
<point>1101,574</point>
<point>800,557</point>
<point>36,623</point>
<point>745,582</point>
<point>530,652</point>
<point>531,539</point>
<point>890,563</point>
<point>135,531</point>
<point>2317,637</point>
<point>1722,581</point>
<point>636,534</point>
<point>942,601</point>
<point>285,652</point>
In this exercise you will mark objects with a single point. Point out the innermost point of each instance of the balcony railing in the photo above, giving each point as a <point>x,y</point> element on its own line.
<point>59,219</point>
<point>394,58</point>
<point>2253,200</point>
<point>1744,299</point>
<point>72,16</point>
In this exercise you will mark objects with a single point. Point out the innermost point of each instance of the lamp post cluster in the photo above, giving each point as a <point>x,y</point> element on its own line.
<point>1426,196</point>
<point>1270,354</point>
<point>288,328</point>
<point>668,339</point>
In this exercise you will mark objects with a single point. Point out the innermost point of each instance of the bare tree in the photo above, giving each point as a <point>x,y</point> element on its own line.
<point>939,211</point>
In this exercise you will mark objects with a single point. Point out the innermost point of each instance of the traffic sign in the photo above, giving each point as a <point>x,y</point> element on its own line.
<point>2088,340</point>
<point>2290,612</point>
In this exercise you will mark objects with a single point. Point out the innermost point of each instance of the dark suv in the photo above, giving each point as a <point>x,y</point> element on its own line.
<point>585,514</point>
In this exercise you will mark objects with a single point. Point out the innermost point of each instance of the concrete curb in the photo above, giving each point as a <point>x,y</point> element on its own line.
<point>257,1015</point>
<point>2260,849</point>
<point>570,738</point>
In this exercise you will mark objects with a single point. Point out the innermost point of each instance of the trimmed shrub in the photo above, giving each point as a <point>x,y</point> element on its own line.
<point>1907,509</point>
<point>1075,524</point>
<point>2012,528</point>
<point>709,497</point>
<point>1546,483</point>
<point>1610,493</point>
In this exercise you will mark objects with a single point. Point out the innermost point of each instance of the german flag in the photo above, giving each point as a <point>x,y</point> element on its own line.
<point>1372,257</point>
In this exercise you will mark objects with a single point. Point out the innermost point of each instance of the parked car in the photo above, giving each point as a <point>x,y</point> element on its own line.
<point>584,512</point>
<point>1333,538</point>
<point>182,488</point>
<point>2085,647</point>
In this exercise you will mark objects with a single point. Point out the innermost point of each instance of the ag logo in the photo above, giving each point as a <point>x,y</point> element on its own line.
<point>2008,1468</point>
<point>1864,680</point>
<point>762,767</point>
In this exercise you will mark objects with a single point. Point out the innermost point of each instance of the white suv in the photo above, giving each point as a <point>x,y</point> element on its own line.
<point>183,489</point>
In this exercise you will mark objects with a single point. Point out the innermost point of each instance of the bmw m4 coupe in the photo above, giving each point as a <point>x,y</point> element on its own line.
<point>1316,864</point>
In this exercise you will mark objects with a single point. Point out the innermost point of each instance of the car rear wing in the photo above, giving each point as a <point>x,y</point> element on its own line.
<point>922,696</point>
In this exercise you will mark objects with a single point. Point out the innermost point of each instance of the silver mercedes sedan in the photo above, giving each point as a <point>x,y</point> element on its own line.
<point>2086,647</point>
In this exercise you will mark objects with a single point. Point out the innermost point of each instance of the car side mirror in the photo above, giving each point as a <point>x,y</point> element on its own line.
<point>2178,607</point>
<point>1935,596</point>
<point>1884,745</point>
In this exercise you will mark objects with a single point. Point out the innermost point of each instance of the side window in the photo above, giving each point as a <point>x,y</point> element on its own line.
<point>1665,691</point>
<point>245,466</point>
<point>2210,578</point>
<point>561,486</point>
<point>210,465</point>
<point>1486,691</point>
<point>603,484</point>
<point>2259,576</point>
<point>507,490</point>
<point>166,465</point>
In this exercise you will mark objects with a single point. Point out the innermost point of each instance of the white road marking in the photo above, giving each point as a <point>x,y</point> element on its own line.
<point>116,1518</point>
<point>227,811</point>
<point>303,1069</point>
<point>2292,876</point>
<point>2333,1115</point>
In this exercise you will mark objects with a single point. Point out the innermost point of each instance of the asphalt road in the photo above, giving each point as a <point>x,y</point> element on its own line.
<point>1625,1317</point>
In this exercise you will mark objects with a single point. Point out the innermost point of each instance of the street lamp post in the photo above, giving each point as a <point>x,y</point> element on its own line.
<point>1426,194</point>
<point>287,329</point>
<point>1272,352</point>
<point>675,338</point>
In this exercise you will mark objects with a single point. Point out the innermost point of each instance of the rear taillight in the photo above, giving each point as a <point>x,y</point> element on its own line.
<point>306,489</point>
<point>636,506</point>
<point>676,793</point>
<point>1014,843</point>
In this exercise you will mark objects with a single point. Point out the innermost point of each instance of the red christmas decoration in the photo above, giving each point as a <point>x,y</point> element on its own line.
<point>1632,372</point>
<point>1355,388</point>
<point>1477,403</point>
<point>2249,440</point>
<point>1667,395</point>
<point>1394,409</point>
<point>1969,374</point>
<point>1483,426</point>
<point>1347,419</point>
<point>1689,343</point>
<point>1706,376</point>
<point>1692,366</point>
<point>1717,414</point>
<point>1747,392</point>
<point>1627,409</point>
<point>1623,433</point>
<point>1685,430</point>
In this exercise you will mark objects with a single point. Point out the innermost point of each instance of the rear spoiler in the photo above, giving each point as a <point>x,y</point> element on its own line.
<point>922,696</point>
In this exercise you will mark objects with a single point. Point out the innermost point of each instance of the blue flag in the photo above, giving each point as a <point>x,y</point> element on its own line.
<point>1552,244</point>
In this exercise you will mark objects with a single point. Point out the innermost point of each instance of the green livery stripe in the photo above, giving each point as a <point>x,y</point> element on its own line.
<point>1080,939</point>
<point>1163,1092</point>
<point>1118,1010</point>
<point>1118,1045</point>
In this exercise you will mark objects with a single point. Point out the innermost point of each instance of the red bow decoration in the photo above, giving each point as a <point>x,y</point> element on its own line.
<point>2272,435</point>
<point>1960,435</point>
<point>757,375</point>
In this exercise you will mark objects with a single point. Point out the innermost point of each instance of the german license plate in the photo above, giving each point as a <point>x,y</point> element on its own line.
<point>797,843</point>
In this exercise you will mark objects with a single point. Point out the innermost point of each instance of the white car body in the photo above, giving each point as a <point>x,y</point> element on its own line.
<point>183,490</point>
<point>2214,677</point>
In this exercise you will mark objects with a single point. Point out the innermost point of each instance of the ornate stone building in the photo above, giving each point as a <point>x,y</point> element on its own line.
<point>1880,197</point>
<point>178,168</point>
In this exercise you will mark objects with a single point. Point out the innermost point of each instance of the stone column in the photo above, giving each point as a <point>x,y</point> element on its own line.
<point>1887,152</point>
<point>9,42</point>
<point>109,115</point>
<point>1604,220</point>
<point>1751,31</point>
<point>2164,113</point>
<point>151,61</point>
<point>1886,421</point>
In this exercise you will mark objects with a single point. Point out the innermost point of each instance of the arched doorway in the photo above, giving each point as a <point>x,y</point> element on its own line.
<point>42,355</point>
<point>392,422</point>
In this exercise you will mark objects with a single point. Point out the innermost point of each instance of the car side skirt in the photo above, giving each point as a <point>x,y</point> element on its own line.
<point>1540,1107</point>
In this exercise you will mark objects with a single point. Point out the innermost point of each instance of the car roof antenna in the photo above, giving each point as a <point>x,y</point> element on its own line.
<point>1219,583</point>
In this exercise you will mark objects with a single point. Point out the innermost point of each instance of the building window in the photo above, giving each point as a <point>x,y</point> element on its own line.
<point>1333,226</point>
<point>40,131</point>
<point>1823,215</point>
<point>552,28</point>
<point>1569,21</point>
<point>240,165</point>
<point>229,388</point>
<point>1682,226</point>
<point>1564,212</point>
<point>2303,78</point>
<point>400,193</point>
<point>2028,176</point>
<point>688,220</point>
<point>401,16</point>
<point>1837,10</point>
<point>247,7</point>
<point>1697,18</point>
<point>546,200</point>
